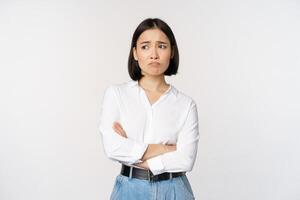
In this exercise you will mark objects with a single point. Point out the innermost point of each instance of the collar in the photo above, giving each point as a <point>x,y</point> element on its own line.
<point>133,83</point>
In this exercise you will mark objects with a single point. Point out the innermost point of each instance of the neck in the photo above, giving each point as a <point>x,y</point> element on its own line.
<point>153,84</point>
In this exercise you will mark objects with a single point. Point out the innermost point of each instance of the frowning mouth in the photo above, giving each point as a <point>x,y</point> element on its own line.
<point>154,63</point>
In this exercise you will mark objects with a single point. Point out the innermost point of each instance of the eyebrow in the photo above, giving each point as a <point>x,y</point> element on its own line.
<point>147,42</point>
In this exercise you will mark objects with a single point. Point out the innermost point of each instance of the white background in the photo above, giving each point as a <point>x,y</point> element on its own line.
<point>239,60</point>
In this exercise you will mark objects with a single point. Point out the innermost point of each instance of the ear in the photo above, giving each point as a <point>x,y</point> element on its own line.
<point>134,53</point>
<point>172,53</point>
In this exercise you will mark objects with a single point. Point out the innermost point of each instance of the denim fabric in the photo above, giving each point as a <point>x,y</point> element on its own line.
<point>126,188</point>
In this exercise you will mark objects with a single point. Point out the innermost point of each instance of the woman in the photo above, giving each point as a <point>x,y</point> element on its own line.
<point>148,125</point>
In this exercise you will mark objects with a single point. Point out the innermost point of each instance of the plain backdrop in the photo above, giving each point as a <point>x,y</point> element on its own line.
<point>239,60</point>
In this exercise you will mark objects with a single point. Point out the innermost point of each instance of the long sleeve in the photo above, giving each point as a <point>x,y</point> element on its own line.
<point>183,158</point>
<point>116,147</point>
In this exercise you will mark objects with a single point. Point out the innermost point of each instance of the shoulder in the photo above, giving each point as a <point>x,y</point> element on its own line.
<point>119,87</point>
<point>184,97</point>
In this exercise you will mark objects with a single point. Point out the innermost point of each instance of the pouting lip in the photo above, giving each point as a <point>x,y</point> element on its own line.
<point>154,63</point>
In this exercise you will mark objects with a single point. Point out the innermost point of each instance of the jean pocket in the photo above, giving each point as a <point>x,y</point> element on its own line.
<point>116,189</point>
<point>187,186</point>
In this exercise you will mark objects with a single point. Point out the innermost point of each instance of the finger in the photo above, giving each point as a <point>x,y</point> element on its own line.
<point>123,134</point>
<point>120,132</point>
<point>115,124</point>
<point>116,130</point>
<point>119,127</point>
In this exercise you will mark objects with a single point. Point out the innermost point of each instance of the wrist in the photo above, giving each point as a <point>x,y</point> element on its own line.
<point>165,148</point>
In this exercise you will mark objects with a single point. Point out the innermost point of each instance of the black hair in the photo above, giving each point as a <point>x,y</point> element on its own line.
<point>153,23</point>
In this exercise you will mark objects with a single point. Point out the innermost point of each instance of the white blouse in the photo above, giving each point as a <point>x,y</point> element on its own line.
<point>172,119</point>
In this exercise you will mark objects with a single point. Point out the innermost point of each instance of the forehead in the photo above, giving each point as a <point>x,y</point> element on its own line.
<point>153,35</point>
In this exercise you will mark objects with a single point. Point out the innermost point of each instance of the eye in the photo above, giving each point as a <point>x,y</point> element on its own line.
<point>145,47</point>
<point>162,46</point>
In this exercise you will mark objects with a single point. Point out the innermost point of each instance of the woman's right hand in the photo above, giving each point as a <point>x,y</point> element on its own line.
<point>170,147</point>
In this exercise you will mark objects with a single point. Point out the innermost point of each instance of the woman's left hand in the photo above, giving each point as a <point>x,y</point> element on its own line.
<point>119,129</point>
<point>143,165</point>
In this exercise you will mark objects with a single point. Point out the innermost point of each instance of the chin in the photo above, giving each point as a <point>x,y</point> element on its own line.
<point>154,74</point>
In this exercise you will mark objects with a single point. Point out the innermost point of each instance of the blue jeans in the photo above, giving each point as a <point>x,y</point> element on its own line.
<point>126,188</point>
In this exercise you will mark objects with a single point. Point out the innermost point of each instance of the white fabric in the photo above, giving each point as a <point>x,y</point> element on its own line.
<point>172,119</point>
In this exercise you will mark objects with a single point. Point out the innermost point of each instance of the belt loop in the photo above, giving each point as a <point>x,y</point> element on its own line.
<point>130,172</point>
<point>171,175</point>
<point>149,177</point>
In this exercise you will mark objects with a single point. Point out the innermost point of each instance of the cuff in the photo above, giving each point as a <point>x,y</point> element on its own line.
<point>155,165</point>
<point>138,151</point>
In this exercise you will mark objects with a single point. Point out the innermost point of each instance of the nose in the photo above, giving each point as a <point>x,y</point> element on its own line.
<point>154,54</point>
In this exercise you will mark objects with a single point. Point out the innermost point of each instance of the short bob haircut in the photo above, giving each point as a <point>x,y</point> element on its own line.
<point>153,23</point>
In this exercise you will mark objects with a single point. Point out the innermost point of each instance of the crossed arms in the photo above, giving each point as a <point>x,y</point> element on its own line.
<point>158,158</point>
<point>152,149</point>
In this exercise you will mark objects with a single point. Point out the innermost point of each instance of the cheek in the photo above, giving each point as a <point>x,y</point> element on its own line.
<point>142,56</point>
<point>142,61</point>
<point>167,58</point>
<point>166,54</point>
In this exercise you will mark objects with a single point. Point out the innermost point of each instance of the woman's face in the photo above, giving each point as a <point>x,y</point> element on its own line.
<point>153,52</point>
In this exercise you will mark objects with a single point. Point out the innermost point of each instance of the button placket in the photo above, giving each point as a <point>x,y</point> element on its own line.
<point>148,125</point>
